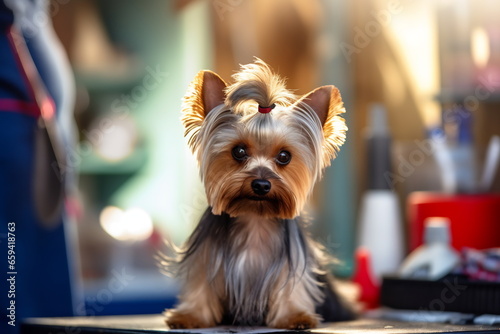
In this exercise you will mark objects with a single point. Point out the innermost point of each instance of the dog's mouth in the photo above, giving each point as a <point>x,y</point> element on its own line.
<point>259,198</point>
<point>266,206</point>
<point>255,198</point>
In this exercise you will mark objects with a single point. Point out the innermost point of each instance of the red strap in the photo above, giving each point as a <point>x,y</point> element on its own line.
<point>23,107</point>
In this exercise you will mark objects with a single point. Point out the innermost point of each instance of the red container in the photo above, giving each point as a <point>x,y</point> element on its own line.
<point>474,219</point>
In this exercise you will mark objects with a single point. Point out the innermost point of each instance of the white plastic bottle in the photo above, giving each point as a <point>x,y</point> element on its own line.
<point>435,258</point>
<point>381,231</point>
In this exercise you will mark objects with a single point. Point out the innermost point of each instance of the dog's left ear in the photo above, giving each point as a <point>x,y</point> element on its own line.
<point>205,92</point>
<point>327,104</point>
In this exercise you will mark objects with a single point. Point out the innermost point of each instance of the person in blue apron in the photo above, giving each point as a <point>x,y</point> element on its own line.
<point>38,267</point>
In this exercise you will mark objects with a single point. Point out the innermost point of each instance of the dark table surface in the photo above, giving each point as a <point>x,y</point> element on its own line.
<point>154,324</point>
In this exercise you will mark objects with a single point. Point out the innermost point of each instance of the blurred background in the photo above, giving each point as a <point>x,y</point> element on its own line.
<point>420,81</point>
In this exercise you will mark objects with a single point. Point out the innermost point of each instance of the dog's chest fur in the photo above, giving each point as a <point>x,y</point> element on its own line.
<point>253,263</point>
<point>254,243</point>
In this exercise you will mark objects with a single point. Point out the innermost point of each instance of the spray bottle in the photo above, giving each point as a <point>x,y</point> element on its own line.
<point>380,226</point>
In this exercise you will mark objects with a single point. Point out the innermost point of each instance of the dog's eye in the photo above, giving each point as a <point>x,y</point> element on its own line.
<point>283,158</point>
<point>239,153</point>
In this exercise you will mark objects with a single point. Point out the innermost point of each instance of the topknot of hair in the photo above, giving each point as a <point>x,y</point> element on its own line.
<point>257,82</point>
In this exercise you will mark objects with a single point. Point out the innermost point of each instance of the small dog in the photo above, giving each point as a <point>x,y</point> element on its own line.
<point>260,150</point>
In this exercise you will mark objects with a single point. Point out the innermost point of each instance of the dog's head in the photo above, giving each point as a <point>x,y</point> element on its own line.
<point>260,148</point>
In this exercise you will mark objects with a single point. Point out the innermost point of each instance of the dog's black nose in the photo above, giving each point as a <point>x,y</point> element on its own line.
<point>261,187</point>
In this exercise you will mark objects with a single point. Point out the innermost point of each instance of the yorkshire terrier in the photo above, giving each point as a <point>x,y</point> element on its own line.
<point>260,150</point>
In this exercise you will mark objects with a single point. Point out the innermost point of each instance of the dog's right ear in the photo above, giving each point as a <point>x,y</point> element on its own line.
<point>204,93</point>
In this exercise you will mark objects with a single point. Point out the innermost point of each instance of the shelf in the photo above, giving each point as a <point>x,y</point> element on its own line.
<point>93,164</point>
<point>472,97</point>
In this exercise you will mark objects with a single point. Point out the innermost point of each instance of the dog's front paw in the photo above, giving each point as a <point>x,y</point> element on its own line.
<point>183,320</point>
<point>300,320</point>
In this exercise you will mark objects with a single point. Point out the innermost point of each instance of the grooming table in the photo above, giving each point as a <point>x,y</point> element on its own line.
<point>154,324</point>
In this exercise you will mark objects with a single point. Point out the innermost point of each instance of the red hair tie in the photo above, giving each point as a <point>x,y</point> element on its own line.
<point>266,110</point>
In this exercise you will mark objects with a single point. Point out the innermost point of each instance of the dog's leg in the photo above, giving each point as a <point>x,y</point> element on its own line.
<point>200,300</point>
<point>296,291</point>
<point>291,305</point>
<point>199,306</point>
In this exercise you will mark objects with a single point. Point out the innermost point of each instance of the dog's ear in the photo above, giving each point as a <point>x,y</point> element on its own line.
<point>327,103</point>
<point>205,92</point>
